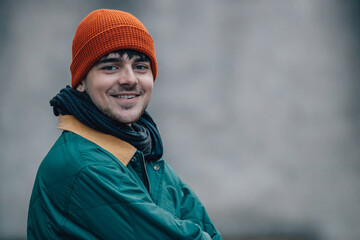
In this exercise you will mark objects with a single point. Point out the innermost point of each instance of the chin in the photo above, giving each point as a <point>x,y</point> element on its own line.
<point>126,119</point>
<point>125,116</point>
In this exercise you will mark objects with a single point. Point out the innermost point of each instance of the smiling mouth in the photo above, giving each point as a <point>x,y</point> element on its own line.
<point>125,96</point>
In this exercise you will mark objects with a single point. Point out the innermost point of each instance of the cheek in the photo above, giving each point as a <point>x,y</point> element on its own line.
<point>148,85</point>
<point>98,86</point>
<point>97,93</point>
<point>149,92</point>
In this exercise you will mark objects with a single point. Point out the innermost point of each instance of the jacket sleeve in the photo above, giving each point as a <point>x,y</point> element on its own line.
<point>107,203</point>
<point>193,210</point>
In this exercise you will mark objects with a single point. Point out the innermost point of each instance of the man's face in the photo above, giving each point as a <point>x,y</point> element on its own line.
<point>120,86</point>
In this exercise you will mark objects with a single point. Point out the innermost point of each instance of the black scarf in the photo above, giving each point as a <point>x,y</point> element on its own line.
<point>142,134</point>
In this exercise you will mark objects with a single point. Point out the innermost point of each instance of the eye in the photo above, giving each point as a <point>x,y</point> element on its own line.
<point>109,68</point>
<point>141,67</point>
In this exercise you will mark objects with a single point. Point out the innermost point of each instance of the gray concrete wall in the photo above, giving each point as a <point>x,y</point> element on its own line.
<point>257,102</point>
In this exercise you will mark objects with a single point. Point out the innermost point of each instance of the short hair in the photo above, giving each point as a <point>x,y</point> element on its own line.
<point>131,53</point>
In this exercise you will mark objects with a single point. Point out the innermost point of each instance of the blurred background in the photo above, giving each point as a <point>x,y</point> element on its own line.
<point>257,103</point>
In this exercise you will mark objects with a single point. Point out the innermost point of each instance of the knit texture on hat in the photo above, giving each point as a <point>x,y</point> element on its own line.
<point>104,31</point>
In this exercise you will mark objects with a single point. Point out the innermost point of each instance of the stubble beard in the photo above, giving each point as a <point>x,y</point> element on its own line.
<point>120,119</point>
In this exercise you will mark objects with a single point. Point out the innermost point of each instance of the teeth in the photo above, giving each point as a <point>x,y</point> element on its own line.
<point>126,96</point>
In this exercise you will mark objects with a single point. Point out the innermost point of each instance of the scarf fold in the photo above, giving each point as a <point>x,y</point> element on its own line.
<point>143,134</point>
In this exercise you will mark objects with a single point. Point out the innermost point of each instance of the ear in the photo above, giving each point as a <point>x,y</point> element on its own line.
<point>81,87</point>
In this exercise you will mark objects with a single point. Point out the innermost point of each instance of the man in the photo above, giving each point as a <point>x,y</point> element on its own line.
<point>105,178</point>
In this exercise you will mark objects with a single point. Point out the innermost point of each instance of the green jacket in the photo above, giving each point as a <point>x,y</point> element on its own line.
<point>86,188</point>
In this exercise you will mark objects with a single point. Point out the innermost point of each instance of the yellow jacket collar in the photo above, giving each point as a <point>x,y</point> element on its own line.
<point>119,148</point>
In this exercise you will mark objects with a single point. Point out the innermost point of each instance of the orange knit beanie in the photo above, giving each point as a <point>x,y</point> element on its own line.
<point>104,31</point>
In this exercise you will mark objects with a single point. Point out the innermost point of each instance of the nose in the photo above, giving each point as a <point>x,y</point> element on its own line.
<point>127,76</point>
